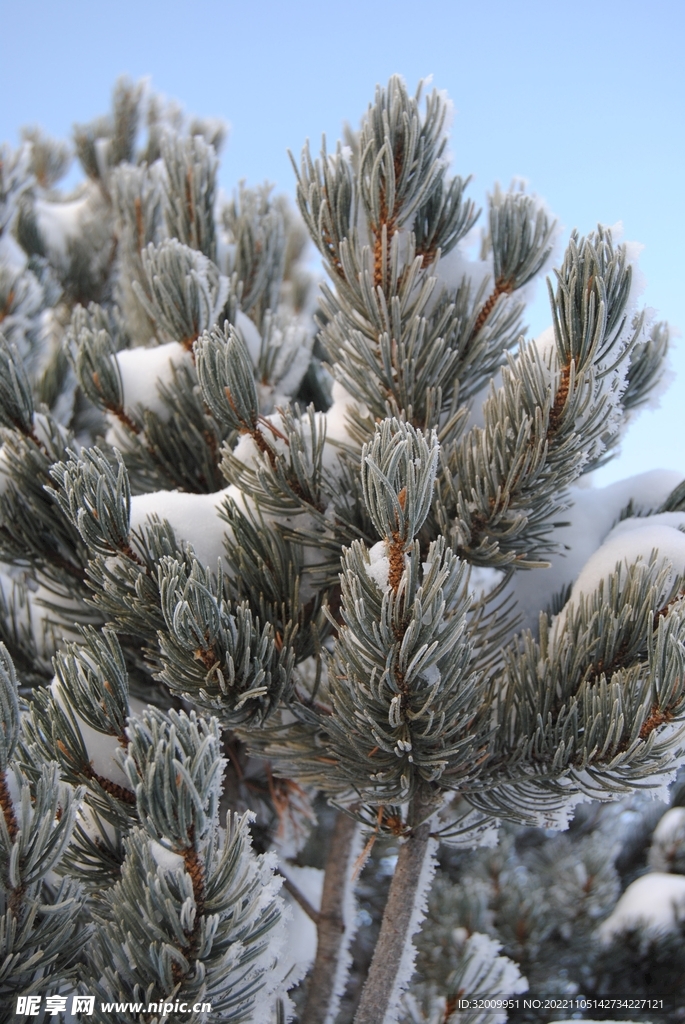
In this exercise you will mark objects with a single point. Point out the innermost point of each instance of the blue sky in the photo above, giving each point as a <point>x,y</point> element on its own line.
<point>583,99</point>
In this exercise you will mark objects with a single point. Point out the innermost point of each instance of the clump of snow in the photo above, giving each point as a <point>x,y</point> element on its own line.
<point>629,544</point>
<point>36,610</point>
<point>166,859</point>
<point>59,223</point>
<point>378,566</point>
<point>483,580</point>
<point>676,520</point>
<point>247,330</point>
<point>454,267</point>
<point>142,370</point>
<point>14,783</point>
<point>51,618</point>
<point>671,826</point>
<point>194,518</point>
<point>12,256</point>
<point>101,748</point>
<point>655,901</point>
<point>546,345</point>
<point>343,406</point>
<point>246,450</point>
<point>591,516</point>
<point>668,840</point>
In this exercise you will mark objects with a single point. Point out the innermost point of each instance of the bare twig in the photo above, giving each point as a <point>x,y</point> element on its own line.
<point>301,899</point>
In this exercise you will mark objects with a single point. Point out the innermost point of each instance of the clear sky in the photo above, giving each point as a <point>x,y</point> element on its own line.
<point>583,98</point>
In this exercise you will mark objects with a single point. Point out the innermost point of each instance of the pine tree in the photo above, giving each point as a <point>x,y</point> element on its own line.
<point>283,591</point>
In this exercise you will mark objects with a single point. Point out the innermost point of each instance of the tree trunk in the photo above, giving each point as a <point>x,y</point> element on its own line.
<point>406,891</point>
<point>321,995</point>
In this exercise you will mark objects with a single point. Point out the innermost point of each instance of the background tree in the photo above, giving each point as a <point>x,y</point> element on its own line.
<point>300,558</point>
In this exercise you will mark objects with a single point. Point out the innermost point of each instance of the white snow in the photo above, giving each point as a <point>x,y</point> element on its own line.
<point>12,256</point>
<point>655,901</point>
<point>668,839</point>
<point>342,406</point>
<point>483,580</point>
<point>193,517</point>
<point>30,612</point>
<point>671,826</point>
<point>164,858</point>
<point>629,545</point>
<point>546,347</point>
<point>250,335</point>
<point>378,566</point>
<point>58,223</point>
<point>52,619</point>
<point>246,450</point>
<point>590,518</point>
<point>302,935</point>
<point>142,370</point>
<point>15,783</point>
<point>100,747</point>
<point>454,267</point>
<point>676,520</point>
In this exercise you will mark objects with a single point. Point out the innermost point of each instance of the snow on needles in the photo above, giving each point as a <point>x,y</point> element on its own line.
<point>142,371</point>
<point>633,544</point>
<point>668,841</point>
<point>589,520</point>
<point>655,901</point>
<point>195,518</point>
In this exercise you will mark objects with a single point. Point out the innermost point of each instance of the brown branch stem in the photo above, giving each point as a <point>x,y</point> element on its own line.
<point>502,287</point>
<point>16,895</point>
<point>8,808</point>
<point>195,868</point>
